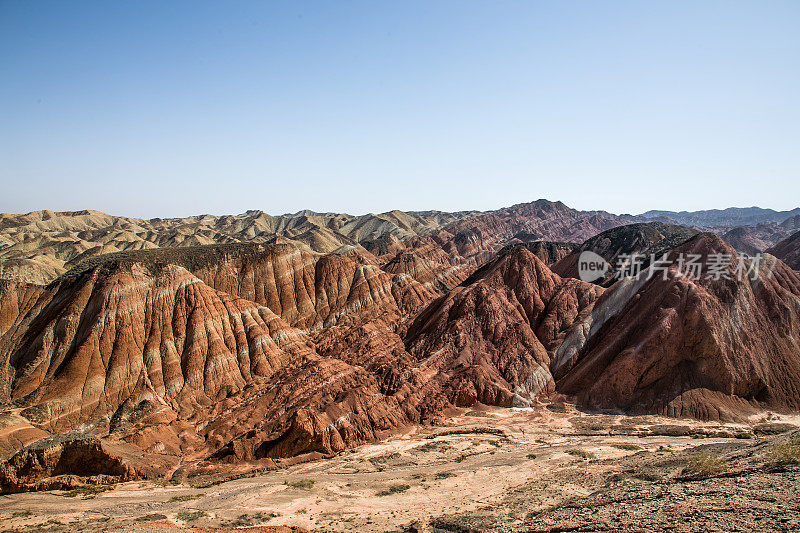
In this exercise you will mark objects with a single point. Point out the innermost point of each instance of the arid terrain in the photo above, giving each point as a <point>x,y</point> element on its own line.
<point>532,469</point>
<point>38,247</point>
<point>399,267</point>
<point>399,372</point>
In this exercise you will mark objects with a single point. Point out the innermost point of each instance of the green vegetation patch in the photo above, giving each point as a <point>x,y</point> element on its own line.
<point>185,497</point>
<point>583,454</point>
<point>784,454</point>
<point>706,464</point>
<point>191,516</point>
<point>247,520</point>
<point>305,484</point>
<point>87,491</point>
<point>394,489</point>
<point>433,447</point>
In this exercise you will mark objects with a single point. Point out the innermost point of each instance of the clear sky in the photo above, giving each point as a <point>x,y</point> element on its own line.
<point>154,108</point>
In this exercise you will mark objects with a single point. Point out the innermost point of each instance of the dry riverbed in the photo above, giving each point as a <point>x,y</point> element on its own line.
<point>544,469</point>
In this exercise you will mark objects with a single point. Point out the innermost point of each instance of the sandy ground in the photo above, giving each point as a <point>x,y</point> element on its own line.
<point>486,470</point>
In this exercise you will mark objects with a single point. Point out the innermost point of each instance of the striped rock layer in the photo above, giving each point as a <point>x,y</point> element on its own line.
<point>178,360</point>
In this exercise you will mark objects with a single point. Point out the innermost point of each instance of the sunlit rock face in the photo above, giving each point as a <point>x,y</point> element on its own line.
<point>173,359</point>
<point>704,348</point>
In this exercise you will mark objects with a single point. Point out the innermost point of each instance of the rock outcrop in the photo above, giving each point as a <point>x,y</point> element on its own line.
<point>38,247</point>
<point>683,347</point>
<point>137,333</point>
<point>544,219</point>
<point>153,363</point>
<point>644,239</point>
<point>495,331</point>
<point>549,252</point>
<point>68,461</point>
<point>788,251</point>
<point>752,240</point>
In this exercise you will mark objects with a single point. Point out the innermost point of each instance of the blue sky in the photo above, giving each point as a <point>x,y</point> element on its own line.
<point>176,108</point>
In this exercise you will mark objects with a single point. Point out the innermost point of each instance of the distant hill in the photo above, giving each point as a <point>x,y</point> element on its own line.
<point>211,343</point>
<point>732,216</point>
<point>38,247</point>
<point>788,250</point>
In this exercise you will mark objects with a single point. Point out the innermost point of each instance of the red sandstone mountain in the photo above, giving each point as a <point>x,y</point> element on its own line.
<point>788,250</point>
<point>644,239</point>
<point>162,362</point>
<point>704,348</point>
<point>496,330</point>
<point>743,240</point>
<point>141,352</point>
<point>791,224</point>
<point>680,347</point>
<point>752,240</point>
<point>550,252</point>
<point>149,355</point>
<point>545,219</point>
<point>38,247</point>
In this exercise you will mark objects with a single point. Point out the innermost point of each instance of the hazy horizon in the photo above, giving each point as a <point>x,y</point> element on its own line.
<point>169,110</point>
<point>404,210</point>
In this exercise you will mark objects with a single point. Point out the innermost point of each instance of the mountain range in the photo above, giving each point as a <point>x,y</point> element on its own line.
<point>133,349</point>
<point>732,216</point>
<point>38,247</point>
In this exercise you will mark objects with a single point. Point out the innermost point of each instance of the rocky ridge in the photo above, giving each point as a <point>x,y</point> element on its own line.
<point>788,250</point>
<point>39,246</point>
<point>187,359</point>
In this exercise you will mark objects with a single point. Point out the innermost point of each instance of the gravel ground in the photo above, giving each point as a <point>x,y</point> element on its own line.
<point>491,470</point>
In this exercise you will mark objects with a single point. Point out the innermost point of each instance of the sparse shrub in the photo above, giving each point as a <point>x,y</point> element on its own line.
<point>394,489</point>
<point>434,447</point>
<point>87,491</point>
<point>625,446</point>
<point>531,456</point>
<point>583,454</point>
<point>590,425</point>
<point>706,464</point>
<point>151,517</point>
<point>444,475</point>
<point>385,458</point>
<point>787,453</point>
<point>479,414</point>
<point>22,514</point>
<point>185,498</point>
<point>190,516</point>
<point>305,484</point>
<point>247,520</point>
